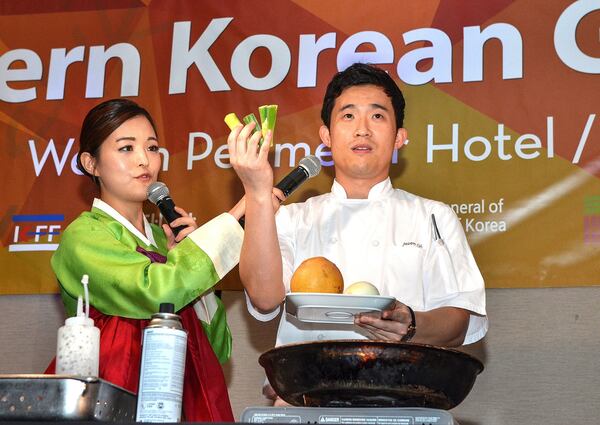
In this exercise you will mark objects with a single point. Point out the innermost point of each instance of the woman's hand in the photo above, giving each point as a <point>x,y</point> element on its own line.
<point>185,220</point>
<point>239,209</point>
<point>277,198</point>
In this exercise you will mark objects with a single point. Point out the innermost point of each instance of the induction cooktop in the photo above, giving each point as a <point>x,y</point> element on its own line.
<point>348,415</point>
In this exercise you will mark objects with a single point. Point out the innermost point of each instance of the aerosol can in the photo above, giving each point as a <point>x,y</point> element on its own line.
<point>163,363</point>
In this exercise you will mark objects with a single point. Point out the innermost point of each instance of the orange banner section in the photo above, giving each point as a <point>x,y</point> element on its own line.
<point>502,113</point>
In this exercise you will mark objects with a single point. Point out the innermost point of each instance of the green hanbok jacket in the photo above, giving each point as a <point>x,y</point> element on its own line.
<point>123,282</point>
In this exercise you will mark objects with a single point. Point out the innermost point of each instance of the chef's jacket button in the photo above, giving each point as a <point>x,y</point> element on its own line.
<point>333,240</point>
<point>320,337</point>
<point>375,243</point>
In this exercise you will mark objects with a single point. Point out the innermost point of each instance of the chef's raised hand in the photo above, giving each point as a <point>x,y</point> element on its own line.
<point>260,274</point>
<point>185,220</point>
<point>390,324</point>
<point>251,162</point>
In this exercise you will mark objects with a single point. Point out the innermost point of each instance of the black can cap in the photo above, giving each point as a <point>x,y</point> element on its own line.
<point>166,308</point>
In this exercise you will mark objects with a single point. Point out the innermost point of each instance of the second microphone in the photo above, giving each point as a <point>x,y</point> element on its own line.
<point>307,168</point>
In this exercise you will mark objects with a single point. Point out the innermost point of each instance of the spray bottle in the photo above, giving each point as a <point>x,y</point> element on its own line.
<point>78,342</point>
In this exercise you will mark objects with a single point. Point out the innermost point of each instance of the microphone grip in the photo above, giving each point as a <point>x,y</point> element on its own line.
<point>291,182</point>
<point>167,209</point>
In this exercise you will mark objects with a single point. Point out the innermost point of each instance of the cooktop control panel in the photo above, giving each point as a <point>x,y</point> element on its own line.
<point>348,415</point>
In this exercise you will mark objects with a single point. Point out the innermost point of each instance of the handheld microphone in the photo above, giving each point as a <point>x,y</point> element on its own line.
<point>307,168</point>
<point>158,194</point>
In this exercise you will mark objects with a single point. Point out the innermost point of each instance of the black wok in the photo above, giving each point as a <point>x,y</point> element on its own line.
<point>364,373</point>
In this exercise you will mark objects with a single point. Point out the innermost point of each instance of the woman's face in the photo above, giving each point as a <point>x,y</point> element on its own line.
<point>127,162</point>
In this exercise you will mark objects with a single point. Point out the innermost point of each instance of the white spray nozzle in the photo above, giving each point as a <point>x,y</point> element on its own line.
<point>84,280</point>
<point>79,306</point>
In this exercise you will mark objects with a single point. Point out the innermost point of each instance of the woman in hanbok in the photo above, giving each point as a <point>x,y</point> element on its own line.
<point>134,266</point>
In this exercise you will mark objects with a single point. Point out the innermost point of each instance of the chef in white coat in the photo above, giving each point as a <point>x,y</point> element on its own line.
<point>411,248</point>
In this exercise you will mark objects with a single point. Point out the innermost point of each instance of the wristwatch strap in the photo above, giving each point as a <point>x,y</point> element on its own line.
<point>412,328</point>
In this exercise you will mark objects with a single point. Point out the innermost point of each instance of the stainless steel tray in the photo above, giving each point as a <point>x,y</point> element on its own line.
<point>58,397</point>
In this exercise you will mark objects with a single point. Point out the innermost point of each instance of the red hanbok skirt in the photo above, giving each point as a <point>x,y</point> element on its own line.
<point>205,397</point>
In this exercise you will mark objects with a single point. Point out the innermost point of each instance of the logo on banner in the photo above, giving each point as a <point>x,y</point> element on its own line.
<point>591,219</point>
<point>36,232</point>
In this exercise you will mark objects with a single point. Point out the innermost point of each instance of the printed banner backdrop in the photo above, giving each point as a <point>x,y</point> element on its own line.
<point>502,103</point>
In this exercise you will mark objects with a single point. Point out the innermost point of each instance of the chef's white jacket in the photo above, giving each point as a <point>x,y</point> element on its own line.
<point>389,240</point>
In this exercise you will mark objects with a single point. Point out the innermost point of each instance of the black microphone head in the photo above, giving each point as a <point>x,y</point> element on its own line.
<point>157,191</point>
<point>311,164</point>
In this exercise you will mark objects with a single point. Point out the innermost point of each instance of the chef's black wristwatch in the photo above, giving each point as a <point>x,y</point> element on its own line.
<point>412,328</point>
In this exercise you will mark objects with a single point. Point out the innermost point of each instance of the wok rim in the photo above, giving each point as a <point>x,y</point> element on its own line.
<point>374,343</point>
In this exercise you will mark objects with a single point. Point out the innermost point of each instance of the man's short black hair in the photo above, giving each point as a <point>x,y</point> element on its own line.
<point>361,74</point>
